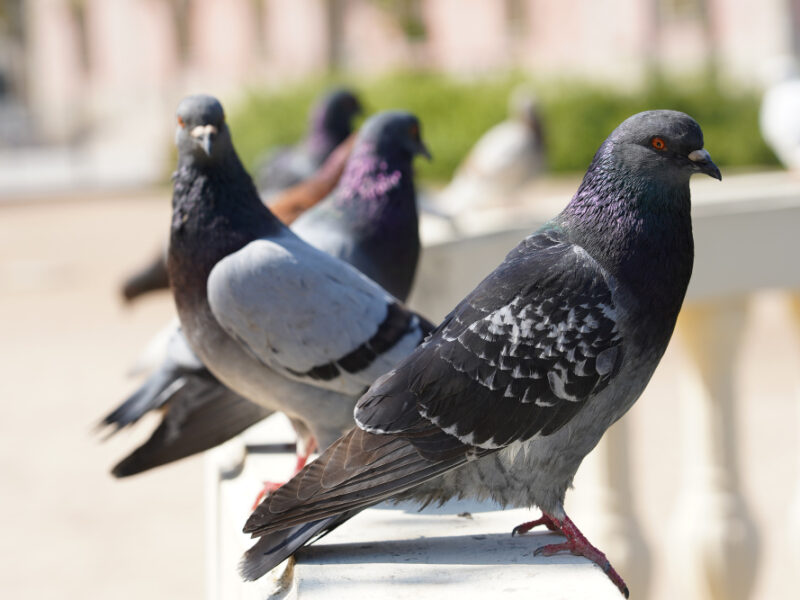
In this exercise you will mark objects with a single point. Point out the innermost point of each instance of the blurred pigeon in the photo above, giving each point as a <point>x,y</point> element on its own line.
<point>779,117</point>
<point>294,201</point>
<point>198,412</point>
<point>507,157</point>
<point>374,228</point>
<point>370,220</point>
<point>330,123</point>
<point>287,206</point>
<point>523,377</point>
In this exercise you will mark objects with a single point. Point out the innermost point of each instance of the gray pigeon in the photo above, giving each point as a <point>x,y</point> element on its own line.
<point>779,115</point>
<point>523,377</point>
<point>364,222</point>
<point>330,123</point>
<point>503,160</point>
<point>276,320</point>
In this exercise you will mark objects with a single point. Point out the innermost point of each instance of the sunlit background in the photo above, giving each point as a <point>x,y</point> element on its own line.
<point>88,90</point>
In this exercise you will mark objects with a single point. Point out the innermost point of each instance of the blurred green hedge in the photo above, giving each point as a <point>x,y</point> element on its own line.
<point>454,113</point>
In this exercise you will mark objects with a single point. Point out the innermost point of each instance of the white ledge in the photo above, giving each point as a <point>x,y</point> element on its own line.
<point>463,549</point>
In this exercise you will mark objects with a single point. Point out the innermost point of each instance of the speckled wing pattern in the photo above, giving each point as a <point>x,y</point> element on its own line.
<point>310,316</point>
<point>519,357</point>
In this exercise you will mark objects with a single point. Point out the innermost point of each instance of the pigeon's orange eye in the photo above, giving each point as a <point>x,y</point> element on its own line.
<point>658,143</point>
<point>414,131</point>
<point>180,122</point>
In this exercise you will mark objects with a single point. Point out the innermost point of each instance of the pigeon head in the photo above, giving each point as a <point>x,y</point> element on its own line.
<point>524,106</point>
<point>664,146</point>
<point>381,158</point>
<point>332,122</point>
<point>394,133</point>
<point>201,135</point>
<point>336,110</point>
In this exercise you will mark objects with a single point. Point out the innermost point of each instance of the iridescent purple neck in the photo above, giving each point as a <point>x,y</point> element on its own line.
<point>637,226</point>
<point>368,175</point>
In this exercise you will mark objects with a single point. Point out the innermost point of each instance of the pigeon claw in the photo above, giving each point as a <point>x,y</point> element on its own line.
<point>526,527</point>
<point>578,545</point>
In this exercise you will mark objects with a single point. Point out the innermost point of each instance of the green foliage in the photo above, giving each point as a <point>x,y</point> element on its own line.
<point>579,117</point>
<point>455,113</point>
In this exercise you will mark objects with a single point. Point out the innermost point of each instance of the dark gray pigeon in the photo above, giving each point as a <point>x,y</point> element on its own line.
<point>330,123</point>
<point>369,221</point>
<point>523,377</point>
<point>276,320</point>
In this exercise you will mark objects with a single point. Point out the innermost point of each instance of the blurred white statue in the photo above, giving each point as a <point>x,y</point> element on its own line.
<point>779,117</point>
<point>504,159</point>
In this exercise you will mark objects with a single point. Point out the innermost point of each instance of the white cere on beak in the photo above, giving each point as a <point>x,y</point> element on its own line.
<point>700,156</point>
<point>202,130</point>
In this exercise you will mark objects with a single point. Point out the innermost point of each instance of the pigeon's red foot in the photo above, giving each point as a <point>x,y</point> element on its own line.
<point>578,545</point>
<point>271,486</point>
<point>526,527</point>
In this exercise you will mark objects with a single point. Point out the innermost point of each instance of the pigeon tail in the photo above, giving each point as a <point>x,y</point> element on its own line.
<point>358,470</point>
<point>272,549</point>
<point>151,395</point>
<point>201,415</point>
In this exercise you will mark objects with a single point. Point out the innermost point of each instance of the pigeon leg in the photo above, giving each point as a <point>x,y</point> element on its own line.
<point>545,520</point>
<point>578,545</point>
<point>271,486</point>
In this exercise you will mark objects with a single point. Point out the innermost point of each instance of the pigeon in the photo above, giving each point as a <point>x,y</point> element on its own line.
<point>376,232</point>
<point>370,220</point>
<point>779,115</point>
<point>519,382</point>
<point>330,123</point>
<point>279,322</point>
<point>504,159</point>
<point>287,206</point>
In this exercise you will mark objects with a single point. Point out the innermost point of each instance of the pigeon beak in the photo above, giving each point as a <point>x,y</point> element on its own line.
<point>701,160</point>
<point>423,150</point>
<point>205,136</point>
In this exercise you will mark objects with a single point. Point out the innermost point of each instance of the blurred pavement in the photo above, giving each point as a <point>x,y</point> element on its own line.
<point>69,529</point>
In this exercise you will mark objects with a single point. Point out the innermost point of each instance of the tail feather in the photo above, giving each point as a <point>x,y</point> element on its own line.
<point>273,549</point>
<point>149,396</point>
<point>199,416</point>
<point>337,481</point>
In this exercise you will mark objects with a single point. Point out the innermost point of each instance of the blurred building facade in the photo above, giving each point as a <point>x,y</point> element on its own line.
<point>78,70</point>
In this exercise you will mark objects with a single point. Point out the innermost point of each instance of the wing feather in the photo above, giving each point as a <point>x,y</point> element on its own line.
<point>310,316</point>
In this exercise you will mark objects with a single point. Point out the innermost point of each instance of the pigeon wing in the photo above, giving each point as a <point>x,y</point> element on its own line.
<point>519,357</point>
<point>310,316</point>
